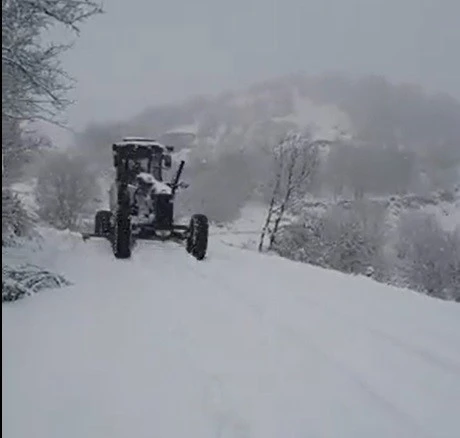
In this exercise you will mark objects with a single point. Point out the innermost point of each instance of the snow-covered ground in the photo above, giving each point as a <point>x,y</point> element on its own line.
<point>243,232</point>
<point>240,345</point>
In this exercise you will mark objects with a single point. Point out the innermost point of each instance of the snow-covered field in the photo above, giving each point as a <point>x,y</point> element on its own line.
<point>240,345</point>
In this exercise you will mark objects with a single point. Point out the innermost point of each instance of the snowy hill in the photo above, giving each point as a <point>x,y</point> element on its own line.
<point>245,119</point>
<point>370,108</point>
<point>241,115</point>
<point>240,345</point>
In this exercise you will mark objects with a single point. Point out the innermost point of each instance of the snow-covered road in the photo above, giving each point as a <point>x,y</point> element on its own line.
<point>240,345</point>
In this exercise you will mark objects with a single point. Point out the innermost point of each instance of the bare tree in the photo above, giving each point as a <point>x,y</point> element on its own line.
<point>296,159</point>
<point>66,187</point>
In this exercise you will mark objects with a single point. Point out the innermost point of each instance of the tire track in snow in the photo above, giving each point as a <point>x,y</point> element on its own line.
<point>449,365</point>
<point>238,425</point>
<point>373,394</point>
<point>229,285</point>
<point>227,420</point>
<point>232,285</point>
<point>290,334</point>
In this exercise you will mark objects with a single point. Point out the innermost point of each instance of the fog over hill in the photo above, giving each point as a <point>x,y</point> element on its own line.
<point>399,129</point>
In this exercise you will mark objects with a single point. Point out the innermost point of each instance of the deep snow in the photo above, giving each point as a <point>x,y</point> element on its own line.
<point>240,345</point>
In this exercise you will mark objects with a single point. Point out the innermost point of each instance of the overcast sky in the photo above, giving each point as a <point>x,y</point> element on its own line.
<point>142,52</point>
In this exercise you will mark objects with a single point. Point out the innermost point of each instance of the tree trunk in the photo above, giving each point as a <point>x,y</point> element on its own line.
<point>276,225</point>
<point>269,215</point>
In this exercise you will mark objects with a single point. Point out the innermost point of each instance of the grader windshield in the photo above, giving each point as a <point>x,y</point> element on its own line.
<point>147,165</point>
<point>133,157</point>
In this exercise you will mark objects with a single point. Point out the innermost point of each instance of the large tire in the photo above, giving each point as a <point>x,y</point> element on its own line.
<point>102,225</point>
<point>197,240</point>
<point>122,238</point>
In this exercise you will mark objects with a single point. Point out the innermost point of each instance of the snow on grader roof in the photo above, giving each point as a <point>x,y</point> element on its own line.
<point>142,141</point>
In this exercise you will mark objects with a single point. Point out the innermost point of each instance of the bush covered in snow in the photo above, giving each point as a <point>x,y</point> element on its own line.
<point>20,240</point>
<point>416,252</point>
<point>25,280</point>
<point>348,239</point>
<point>428,255</point>
<point>17,222</point>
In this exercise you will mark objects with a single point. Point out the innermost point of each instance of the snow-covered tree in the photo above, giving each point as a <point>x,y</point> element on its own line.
<point>20,147</point>
<point>346,238</point>
<point>296,160</point>
<point>355,237</point>
<point>429,256</point>
<point>34,84</point>
<point>16,220</point>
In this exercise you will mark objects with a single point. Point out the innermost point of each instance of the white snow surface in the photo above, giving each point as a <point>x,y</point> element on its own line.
<point>239,345</point>
<point>140,141</point>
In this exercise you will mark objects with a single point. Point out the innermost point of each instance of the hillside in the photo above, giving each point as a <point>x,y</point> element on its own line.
<point>383,129</point>
<point>244,118</point>
<point>369,107</point>
<point>241,345</point>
